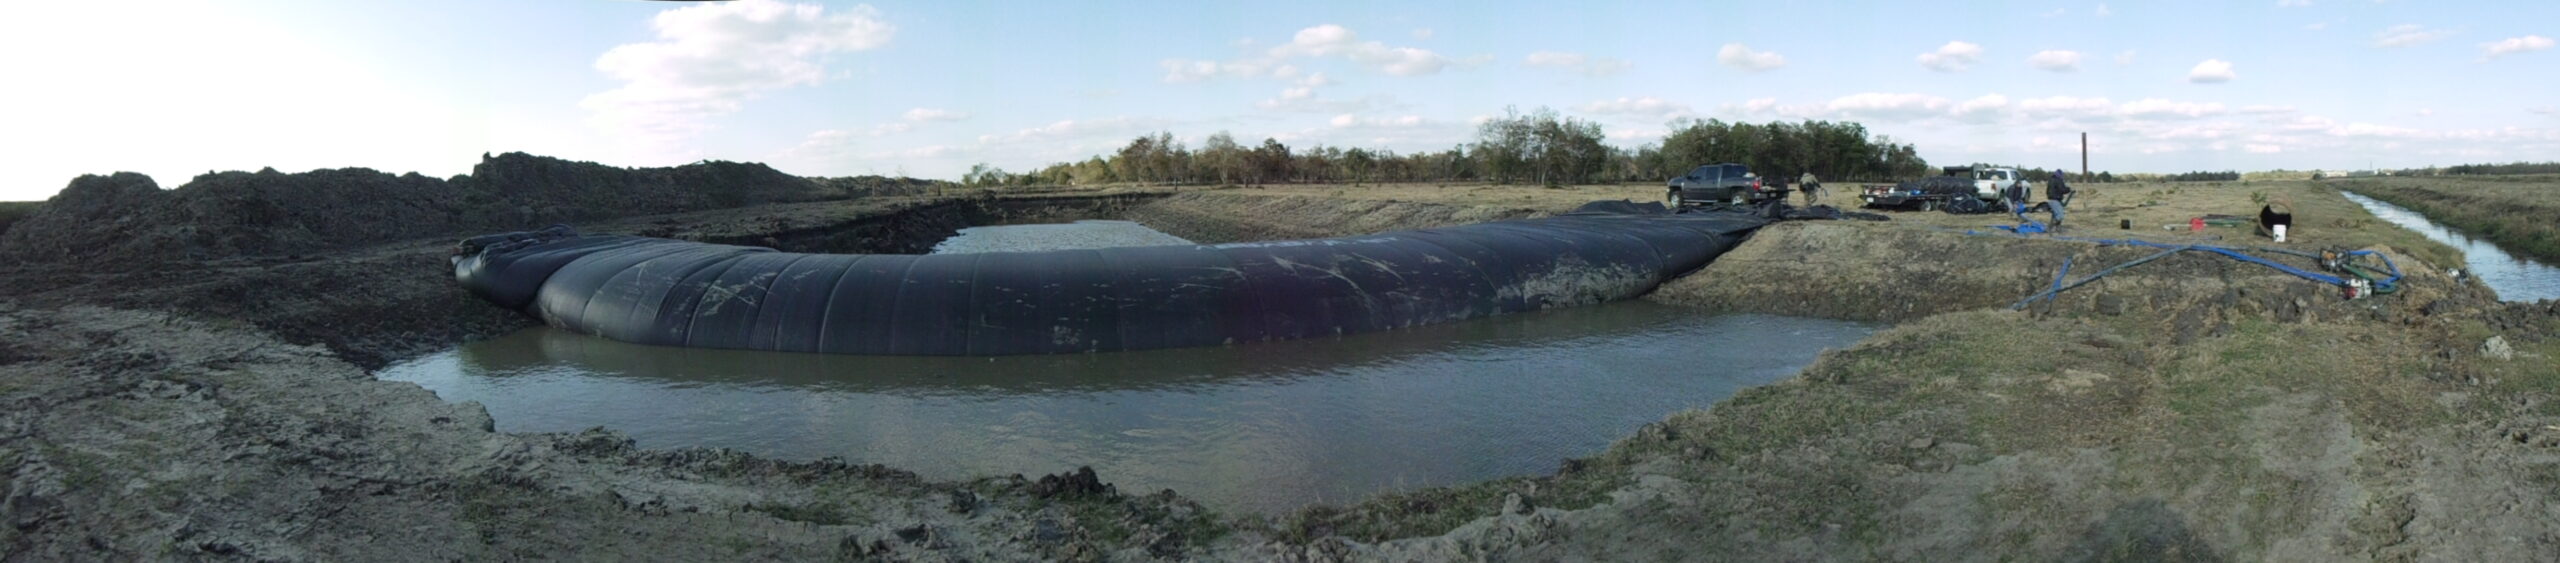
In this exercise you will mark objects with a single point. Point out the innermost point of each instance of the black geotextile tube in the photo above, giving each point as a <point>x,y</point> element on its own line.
<point>679,293</point>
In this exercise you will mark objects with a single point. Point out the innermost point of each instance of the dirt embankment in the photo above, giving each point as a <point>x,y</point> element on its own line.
<point>125,221</point>
<point>221,407</point>
<point>2195,408</point>
<point>133,435</point>
<point>1231,216</point>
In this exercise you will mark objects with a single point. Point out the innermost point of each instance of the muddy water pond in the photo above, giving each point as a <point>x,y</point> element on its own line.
<point>1258,428</point>
<point>2515,278</point>
<point>1266,427</point>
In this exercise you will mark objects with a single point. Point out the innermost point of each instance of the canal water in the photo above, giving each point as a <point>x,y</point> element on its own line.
<point>1265,427</point>
<point>2515,278</point>
<point>1065,236</point>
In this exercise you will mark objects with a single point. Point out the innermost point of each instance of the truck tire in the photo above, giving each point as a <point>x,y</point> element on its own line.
<point>1740,199</point>
<point>1928,205</point>
<point>1673,200</point>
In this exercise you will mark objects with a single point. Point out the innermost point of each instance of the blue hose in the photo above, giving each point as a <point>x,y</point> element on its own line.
<point>2384,285</point>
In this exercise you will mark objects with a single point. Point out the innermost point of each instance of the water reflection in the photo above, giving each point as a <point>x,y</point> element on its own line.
<point>1057,236</point>
<point>1263,427</point>
<point>2515,278</point>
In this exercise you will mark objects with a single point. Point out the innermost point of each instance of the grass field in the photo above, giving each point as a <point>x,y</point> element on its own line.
<point>2322,217</point>
<point>2515,212</point>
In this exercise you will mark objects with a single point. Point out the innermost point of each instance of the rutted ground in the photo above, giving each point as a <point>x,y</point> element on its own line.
<point>2193,409</point>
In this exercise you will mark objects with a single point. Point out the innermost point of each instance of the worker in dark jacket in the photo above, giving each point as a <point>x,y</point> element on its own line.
<point>2016,196</point>
<point>2056,195</point>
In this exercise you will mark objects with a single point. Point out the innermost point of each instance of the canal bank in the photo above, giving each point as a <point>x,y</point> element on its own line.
<point>2514,277</point>
<point>188,412</point>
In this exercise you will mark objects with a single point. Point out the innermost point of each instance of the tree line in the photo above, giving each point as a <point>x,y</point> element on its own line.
<point>2500,169</point>
<point>1537,147</point>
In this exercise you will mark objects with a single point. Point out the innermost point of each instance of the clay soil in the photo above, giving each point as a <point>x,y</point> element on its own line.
<point>2195,408</point>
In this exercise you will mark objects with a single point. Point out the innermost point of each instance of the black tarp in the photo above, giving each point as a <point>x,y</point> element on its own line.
<point>681,293</point>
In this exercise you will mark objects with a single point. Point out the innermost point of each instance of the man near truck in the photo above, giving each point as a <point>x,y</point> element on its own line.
<point>2056,195</point>
<point>2016,196</point>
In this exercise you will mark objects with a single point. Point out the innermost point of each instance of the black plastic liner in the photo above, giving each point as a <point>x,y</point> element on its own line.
<point>680,293</point>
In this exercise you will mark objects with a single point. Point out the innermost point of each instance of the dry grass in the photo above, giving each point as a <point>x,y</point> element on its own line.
<point>2513,211</point>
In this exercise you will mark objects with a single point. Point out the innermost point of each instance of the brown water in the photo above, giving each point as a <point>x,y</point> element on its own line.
<point>1265,427</point>
<point>1261,428</point>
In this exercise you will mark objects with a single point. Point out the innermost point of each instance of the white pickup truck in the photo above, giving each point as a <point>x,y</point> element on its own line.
<point>1944,190</point>
<point>1988,182</point>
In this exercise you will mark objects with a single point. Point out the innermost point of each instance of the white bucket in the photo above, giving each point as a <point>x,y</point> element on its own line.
<point>2279,229</point>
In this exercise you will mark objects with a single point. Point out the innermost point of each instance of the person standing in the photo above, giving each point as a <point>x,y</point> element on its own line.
<point>2056,195</point>
<point>2016,196</point>
<point>1808,183</point>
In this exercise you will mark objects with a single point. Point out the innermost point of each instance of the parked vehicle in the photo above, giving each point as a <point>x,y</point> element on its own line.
<point>1719,184</point>
<point>1956,188</point>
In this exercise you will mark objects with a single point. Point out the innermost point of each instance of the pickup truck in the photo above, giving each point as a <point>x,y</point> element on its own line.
<point>1726,183</point>
<point>1942,191</point>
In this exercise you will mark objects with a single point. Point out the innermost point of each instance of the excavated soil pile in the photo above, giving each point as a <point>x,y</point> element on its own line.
<point>125,221</point>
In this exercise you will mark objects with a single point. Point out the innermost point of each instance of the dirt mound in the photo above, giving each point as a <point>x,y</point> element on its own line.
<point>126,221</point>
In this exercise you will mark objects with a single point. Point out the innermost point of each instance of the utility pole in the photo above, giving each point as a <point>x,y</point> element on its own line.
<point>2084,154</point>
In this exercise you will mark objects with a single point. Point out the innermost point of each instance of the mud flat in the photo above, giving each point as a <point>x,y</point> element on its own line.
<point>2195,409</point>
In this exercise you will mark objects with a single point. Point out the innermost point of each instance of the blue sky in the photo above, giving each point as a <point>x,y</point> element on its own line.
<point>178,88</point>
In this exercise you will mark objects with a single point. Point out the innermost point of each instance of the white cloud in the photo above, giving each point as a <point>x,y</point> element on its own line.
<point>2125,58</point>
<point>2316,26</point>
<point>1576,62</point>
<point>921,115</point>
<point>2067,106</point>
<point>2293,3</point>
<point>2513,45</point>
<point>1334,40</point>
<point>1422,33</point>
<point>2156,107</point>
<point>1955,56</point>
<point>1348,121</point>
<point>1322,41</point>
<point>709,59</point>
<point>1983,108</point>
<point>2057,61</point>
<point>1888,106</point>
<point>1647,106</point>
<point>1304,100</point>
<point>2404,35</point>
<point>2211,71</point>
<point>2057,12</point>
<point>1110,126</point>
<point>2266,109</point>
<point>1741,56</point>
<point>2545,110</point>
<point>2103,11</point>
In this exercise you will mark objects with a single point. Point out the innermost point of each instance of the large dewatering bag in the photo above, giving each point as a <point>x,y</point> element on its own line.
<point>681,293</point>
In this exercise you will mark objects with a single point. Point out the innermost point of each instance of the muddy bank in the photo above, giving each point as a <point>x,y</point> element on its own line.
<point>2198,409</point>
<point>1893,273</point>
<point>221,407</point>
<point>144,435</point>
